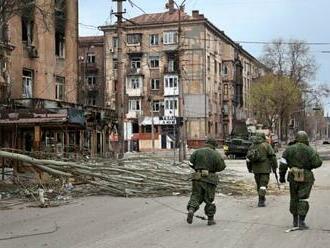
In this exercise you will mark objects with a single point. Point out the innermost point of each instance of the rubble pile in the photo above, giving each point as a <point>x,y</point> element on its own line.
<point>139,176</point>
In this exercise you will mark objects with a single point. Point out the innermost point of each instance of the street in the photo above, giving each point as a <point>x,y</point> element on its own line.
<point>158,223</point>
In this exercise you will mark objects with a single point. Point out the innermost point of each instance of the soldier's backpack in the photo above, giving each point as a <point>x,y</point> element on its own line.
<point>254,154</point>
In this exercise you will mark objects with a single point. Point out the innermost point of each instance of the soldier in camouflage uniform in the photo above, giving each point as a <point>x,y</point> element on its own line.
<point>206,162</point>
<point>300,159</point>
<point>261,160</point>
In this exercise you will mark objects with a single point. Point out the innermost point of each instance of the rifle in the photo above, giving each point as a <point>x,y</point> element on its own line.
<point>276,177</point>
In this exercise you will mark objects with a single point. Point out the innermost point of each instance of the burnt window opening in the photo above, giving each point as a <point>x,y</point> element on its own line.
<point>27,30</point>
<point>27,22</point>
<point>59,88</point>
<point>59,45</point>
<point>60,22</point>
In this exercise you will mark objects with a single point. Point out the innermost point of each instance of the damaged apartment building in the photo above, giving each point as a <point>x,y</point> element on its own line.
<point>215,76</point>
<point>42,114</point>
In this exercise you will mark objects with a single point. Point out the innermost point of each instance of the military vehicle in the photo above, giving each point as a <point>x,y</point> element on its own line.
<point>239,141</point>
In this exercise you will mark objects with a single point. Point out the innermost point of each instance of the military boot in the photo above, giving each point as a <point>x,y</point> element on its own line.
<point>190,216</point>
<point>261,202</point>
<point>211,221</point>
<point>295,220</point>
<point>302,224</point>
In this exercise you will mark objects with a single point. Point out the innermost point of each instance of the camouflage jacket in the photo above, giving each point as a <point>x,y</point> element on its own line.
<point>300,156</point>
<point>207,159</point>
<point>268,160</point>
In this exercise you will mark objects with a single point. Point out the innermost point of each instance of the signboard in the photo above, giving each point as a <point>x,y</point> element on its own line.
<point>167,120</point>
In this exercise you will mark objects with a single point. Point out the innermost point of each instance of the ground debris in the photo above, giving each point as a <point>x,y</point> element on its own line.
<point>137,176</point>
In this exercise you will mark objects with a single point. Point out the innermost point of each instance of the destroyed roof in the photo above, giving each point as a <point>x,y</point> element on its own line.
<point>164,17</point>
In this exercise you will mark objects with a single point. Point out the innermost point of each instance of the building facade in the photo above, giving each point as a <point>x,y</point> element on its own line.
<point>91,71</point>
<point>44,61</point>
<point>210,71</point>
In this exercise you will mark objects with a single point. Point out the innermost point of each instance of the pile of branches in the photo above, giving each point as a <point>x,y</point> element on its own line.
<point>142,176</point>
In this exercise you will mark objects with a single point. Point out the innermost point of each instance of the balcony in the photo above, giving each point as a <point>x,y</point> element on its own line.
<point>134,92</point>
<point>91,67</point>
<point>171,91</point>
<point>134,71</point>
<point>134,114</point>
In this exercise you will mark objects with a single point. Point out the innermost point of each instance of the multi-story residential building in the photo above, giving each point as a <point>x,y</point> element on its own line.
<point>91,71</point>
<point>213,72</point>
<point>44,62</point>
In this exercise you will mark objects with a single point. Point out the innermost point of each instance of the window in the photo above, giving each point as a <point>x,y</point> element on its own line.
<point>114,64</point>
<point>154,61</point>
<point>133,83</point>
<point>91,80</point>
<point>134,39</point>
<point>91,100</point>
<point>171,81</point>
<point>27,30</point>
<point>59,45</point>
<point>225,90</point>
<point>91,58</point>
<point>225,109</point>
<point>27,83</point>
<point>170,37</point>
<point>225,70</point>
<point>208,63</point>
<point>171,65</point>
<point>156,106</point>
<point>220,67</point>
<point>171,104</point>
<point>134,105</point>
<point>114,42</point>
<point>215,67</point>
<point>155,84</point>
<point>59,88</point>
<point>136,62</point>
<point>154,39</point>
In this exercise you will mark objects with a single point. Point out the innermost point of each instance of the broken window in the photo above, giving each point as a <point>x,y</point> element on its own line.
<point>59,88</point>
<point>60,21</point>
<point>115,64</point>
<point>115,42</point>
<point>59,45</point>
<point>27,83</point>
<point>136,62</point>
<point>27,22</point>
<point>134,39</point>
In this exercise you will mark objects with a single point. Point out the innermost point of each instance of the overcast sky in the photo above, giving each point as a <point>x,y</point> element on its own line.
<point>242,20</point>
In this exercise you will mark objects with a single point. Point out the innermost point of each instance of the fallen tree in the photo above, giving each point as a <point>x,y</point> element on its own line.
<point>142,176</point>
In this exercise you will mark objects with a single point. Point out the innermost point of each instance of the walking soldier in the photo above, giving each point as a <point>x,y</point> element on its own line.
<point>261,159</point>
<point>206,162</point>
<point>300,159</point>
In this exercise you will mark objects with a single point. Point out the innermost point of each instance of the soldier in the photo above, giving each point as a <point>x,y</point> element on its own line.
<point>301,159</point>
<point>261,159</point>
<point>206,162</point>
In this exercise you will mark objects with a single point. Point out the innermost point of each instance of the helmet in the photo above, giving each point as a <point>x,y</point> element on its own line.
<point>212,142</point>
<point>302,137</point>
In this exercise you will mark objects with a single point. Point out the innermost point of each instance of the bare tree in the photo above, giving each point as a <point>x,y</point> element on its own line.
<point>292,59</point>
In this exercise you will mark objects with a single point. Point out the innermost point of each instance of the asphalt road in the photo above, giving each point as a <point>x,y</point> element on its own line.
<point>104,222</point>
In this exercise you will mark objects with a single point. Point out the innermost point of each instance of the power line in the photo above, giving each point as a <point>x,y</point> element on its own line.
<point>135,5</point>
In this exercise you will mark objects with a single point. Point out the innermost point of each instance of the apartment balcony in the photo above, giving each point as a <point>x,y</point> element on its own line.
<point>171,112</point>
<point>134,48</point>
<point>134,71</point>
<point>134,92</point>
<point>170,70</point>
<point>171,91</point>
<point>134,114</point>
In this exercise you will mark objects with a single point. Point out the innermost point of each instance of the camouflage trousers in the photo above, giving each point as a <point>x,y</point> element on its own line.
<point>202,192</point>
<point>262,180</point>
<point>299,194</point>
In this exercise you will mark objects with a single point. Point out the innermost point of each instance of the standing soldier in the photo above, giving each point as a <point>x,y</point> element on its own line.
<point>206,162</point>
<point>261,159</point>
<point>301,159</point>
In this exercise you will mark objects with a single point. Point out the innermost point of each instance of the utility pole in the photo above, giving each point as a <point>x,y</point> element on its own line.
<point>182,128</point>
<point>120,96</point>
